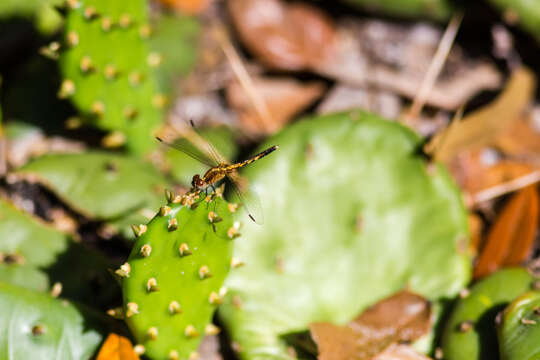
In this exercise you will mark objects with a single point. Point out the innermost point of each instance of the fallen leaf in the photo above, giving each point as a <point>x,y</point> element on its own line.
<point>287,36</point>
<point>396,57</point>
<point>117,347</point>
<point>511,239</point>
<point>520,139</point>
<point>402,317</point>
<point>478,170</point>
<point>475,229</point>
<point>284,97</point>
<point>400,352</point>
<point>481,127</point>
<point>187,6</point>
<point>209,348</point>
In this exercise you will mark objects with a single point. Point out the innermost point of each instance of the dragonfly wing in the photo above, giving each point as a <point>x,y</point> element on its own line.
<point>207,145</point>
<point>247,197</point>
<point>187,148</point>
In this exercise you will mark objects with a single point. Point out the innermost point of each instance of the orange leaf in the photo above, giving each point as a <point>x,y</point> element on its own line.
<point>474,174</point>
<point>283,35</point>
<point>404,316</point>
<point>511,239</point>
<point>284,98</point>
<point>117,347</point>
<point>482,126</point>
<point>187,6</point>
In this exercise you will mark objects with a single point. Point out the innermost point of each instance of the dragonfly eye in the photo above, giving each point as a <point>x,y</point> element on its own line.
<point>197,182</point>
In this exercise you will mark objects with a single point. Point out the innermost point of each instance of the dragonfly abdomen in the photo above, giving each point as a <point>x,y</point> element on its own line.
<point>254,157</point>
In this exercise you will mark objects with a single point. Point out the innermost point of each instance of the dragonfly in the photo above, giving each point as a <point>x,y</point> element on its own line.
<point>220,169</point>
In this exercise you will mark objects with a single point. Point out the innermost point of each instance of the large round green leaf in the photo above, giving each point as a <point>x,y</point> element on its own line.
<point>34,325</point>
<point>352,213</point>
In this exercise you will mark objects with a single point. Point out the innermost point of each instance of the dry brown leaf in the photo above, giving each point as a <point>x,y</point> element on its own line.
<point>511,239</point>
<point>284,98</point>
<point>402,317</point>
<point>282,35</point>
<point>475,229</point>
<point>396,57</point>
<point>519,139</point>
<point>209,348</point>
<point>117,347</point>
<point>187,6</point>
<point>478,170</point>
<point>481,127</point>
<point>400,352</point>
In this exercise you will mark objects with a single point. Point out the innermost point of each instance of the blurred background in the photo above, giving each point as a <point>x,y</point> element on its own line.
<point>409,134</point>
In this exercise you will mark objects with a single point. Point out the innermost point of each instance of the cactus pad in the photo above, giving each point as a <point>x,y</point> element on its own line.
<point>27,240</point>
<point>107,68</point>
<point>470,331</point>
<point>526,13</point>
<point>520,328</point>
<point>37,326</point>
<point>100,185</point>
<point>173,279</point>
<point>352,215</point>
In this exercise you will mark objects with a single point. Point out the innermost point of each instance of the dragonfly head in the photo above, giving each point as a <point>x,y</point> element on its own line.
<point>197,182</point>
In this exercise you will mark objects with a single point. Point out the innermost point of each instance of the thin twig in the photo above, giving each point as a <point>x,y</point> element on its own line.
<point>505,188</point>
<point>244,78</point>
<point>435,67</point>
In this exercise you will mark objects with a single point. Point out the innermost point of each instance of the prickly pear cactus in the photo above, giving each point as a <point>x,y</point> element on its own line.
<point>435,9</point>
<point>25,240</point>
<point>35,325</point>
<point>352,214</point>
<point>470,332</point>
<point>108,71</point>
<point>100,185</point>
<point>172,281</point>
<point>47,19</point>
<point>34,255</point>
<point>523,12</point>
<point>519,330</point>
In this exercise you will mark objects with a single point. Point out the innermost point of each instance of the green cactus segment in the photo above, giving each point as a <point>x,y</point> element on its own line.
<point>34,325</point>
<point>183,167</point>
<point>435,9</point>
<point>520,328</point>
<point>23,275</point>
<point>108,68</point>
<point>47,19</point>
<point>175,38</point>
<point>526,13</point>
<point>470,332</point>
<point>27,241</point>
<point>99,185</point>
<point>351,215</point>
<point>174,275</point>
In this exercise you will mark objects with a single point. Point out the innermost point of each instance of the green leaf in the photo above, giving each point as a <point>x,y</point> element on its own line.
<point>26,276</point>
<point>34,325</point>
<point>99,185</point>
<point>352,214</point>
<point>37,243</point>
<point>520,328</point>
<point>477,312</point>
